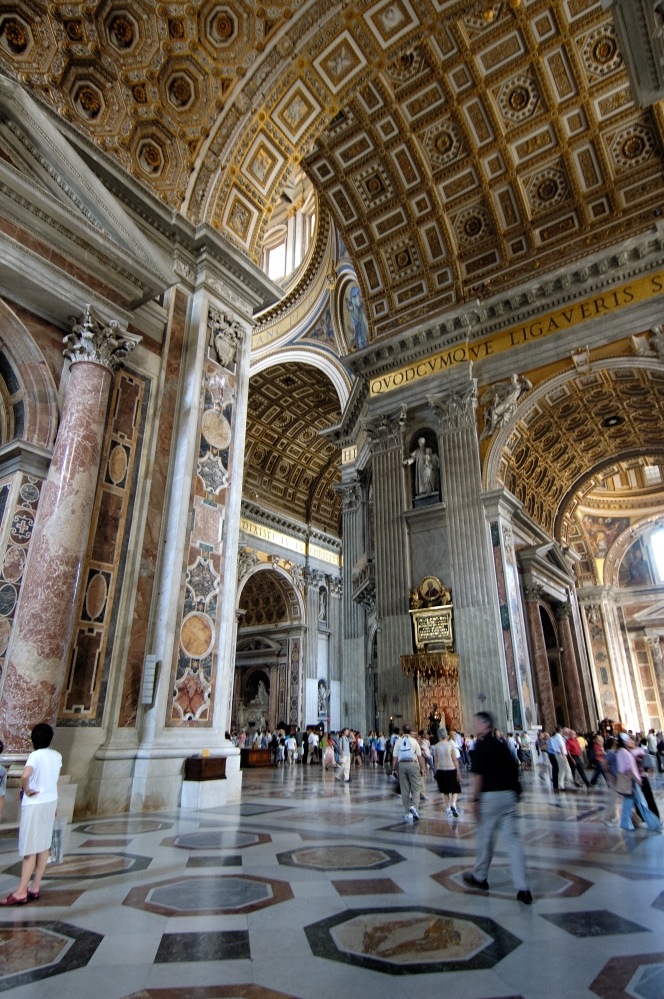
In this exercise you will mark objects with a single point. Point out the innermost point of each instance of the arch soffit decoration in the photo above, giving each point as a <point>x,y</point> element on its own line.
<point>214,105</point>
<point>574,450</point>
<point>290,592</point>
<point>624,542</point>
<point>37,389</point>
<point>319,359</point>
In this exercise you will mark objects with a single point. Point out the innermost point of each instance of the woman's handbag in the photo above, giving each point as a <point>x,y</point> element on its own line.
<point>624,784</point>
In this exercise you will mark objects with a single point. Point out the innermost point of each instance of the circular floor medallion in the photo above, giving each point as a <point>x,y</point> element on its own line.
<point>216,429</point>
<point>197,635</point>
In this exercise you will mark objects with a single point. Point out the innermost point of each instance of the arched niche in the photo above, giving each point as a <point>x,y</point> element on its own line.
<point>28,396</point>
<point>627,563</point>
<point>424,467</point>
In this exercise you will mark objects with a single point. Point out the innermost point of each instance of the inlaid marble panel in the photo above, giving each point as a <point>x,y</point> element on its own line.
<point>217,839</point>
<point>209,895</point>
<point>30,951</point>
<point>225,945</point>
<point>543,883</point>
<point>594,923</point>
<point>368,886</point>
<point>413,940</point>
<point>340,858</point>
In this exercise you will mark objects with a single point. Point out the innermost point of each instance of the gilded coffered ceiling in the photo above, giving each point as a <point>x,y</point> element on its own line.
<point>568,436</point>
<point>454,154</point>
<point>288,466</point>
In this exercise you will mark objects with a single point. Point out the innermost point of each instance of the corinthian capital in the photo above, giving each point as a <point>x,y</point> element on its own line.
<point>385,432</point>
<point>457,411</point>
<point>102,343</point>
<point>351,494</point>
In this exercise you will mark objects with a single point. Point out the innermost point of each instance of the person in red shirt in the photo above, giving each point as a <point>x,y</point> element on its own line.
<point>574,757</point>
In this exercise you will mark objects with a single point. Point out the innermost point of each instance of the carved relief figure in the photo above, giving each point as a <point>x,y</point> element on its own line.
<point>427,465</point>
<point>501,400</point>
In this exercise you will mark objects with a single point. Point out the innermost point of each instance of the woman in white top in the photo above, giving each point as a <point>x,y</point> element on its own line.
<point>38,805</point>
<point>447,773</point>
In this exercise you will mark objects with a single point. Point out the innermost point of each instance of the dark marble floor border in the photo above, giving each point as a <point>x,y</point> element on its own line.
<point>214,992</point>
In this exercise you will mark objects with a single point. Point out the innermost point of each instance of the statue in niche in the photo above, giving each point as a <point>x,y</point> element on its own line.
<point>427,469</point>
<point>501,400</point>
<point>322,605</point>
<point>323,698</point>
<point>262,697</point>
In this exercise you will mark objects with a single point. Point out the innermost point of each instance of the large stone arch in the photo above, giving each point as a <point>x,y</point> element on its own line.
<point>555,439</point>
<point>319,359</point>
<point>30,404</point>
<point>290,592</point>
<point>624,542</point>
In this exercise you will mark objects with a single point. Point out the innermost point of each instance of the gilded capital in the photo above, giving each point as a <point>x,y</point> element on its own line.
<point>98,342</point>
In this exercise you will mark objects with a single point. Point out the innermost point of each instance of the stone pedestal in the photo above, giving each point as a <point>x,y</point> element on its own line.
<point>43,630</point>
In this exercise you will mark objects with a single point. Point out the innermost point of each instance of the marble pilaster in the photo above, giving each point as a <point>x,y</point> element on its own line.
<point>37,658</point>
<point>577,714</point>
<point>482,670</point>
<point>353,613</point>
<point>396,695</point>
<point>601,612</point>
<point>314,579</point>
<point>546,711</point>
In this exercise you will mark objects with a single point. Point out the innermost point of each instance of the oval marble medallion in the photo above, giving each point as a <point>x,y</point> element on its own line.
<point>29,492</point>
<point>5,632</point>
<point>196,635</point>
<point>117,464</point>
<point>22,524</point>
<point>7,599</point>
<point>216,429</point>
<point>14,563</point>
<point>95,597</point>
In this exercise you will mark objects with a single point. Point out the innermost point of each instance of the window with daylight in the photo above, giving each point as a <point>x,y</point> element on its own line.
<point>292,230</point>
<point>657,548</point>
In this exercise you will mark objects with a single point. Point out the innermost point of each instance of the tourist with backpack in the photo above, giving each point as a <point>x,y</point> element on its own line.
<point>407,756</point>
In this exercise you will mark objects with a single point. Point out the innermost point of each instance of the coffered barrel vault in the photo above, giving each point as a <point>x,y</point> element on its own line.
<point>454,153</point>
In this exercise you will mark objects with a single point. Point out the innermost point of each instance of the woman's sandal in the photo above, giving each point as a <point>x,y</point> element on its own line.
<point>13,900</point>
<point>33,895</point>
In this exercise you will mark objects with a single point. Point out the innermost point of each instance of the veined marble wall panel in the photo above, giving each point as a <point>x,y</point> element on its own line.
<point>155,514</point>
<point>294,684</point>
<point>19,497</point>
<point>194,659</point>
<point>601,663</point>
<point>84,693</point>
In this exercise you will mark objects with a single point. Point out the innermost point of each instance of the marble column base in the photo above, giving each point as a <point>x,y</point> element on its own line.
<point>200,794</point>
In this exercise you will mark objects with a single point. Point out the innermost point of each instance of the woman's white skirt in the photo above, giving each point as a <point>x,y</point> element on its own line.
<point>36,829</point>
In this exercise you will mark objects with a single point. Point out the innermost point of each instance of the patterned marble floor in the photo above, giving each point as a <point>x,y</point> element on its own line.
<point>311,889</point>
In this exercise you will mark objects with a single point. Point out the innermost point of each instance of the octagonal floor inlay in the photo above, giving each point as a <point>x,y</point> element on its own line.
<point>217,839</point>
<point>640,976</point>
<point>122,827</point>
<point>197,896</point>
<point>90,865</point>
<point>543,883</point>
<point>31,951</point>
<point>413,940</point>
<point>340,858</point>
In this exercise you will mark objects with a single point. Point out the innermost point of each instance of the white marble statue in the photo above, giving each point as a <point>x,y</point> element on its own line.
<point>501,400</point>
<point>427,465</point>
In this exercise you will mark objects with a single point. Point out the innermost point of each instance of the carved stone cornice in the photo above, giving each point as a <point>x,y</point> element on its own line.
<point>226,335</point>
<point>385,432</point>
<point>98,342</point>
<point>457,410</point>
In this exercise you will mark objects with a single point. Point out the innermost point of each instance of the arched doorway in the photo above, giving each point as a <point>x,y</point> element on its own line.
<point>268,686</point>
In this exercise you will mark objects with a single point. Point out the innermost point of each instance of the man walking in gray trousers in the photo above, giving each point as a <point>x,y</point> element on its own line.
<point>496,793</point>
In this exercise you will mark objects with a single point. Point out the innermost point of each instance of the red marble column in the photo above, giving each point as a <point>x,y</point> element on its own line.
<point>570,669</point>
<point>540,660</point>
<point>44,624</point>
